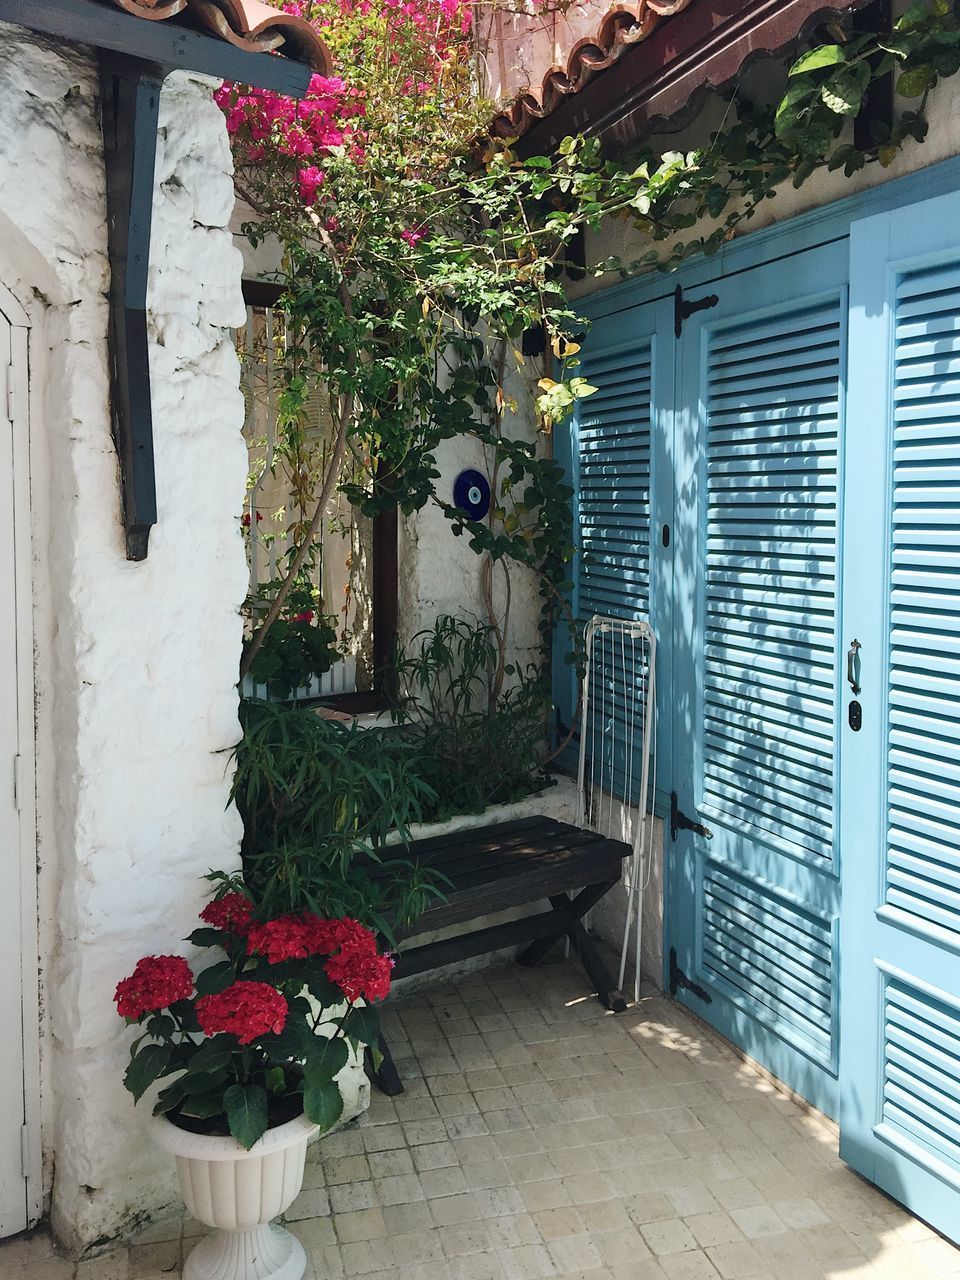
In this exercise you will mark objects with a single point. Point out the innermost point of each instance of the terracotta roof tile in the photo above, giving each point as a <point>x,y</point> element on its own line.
<point>248,24</point>
<point>622,27</point>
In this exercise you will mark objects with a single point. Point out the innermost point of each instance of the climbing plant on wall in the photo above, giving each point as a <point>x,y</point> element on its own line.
<point>423,262</point>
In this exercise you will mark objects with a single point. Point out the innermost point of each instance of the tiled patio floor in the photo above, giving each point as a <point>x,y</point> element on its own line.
<point>541,1137</point>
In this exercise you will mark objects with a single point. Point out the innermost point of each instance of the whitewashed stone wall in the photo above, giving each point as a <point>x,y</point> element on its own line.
<point>440,574</point>
<point>136,663</point>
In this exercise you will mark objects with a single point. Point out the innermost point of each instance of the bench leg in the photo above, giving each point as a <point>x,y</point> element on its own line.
<point>569,915</point>
<point>385,1077</point>
<point>597,971</point>
<point>533,954</point>
<point>565,913</point>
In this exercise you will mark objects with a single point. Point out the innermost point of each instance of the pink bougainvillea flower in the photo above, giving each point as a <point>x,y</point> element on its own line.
<point>413,235</point>
<point>309,181</point>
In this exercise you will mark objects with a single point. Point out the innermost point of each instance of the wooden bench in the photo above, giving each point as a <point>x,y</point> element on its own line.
<point>492,869</point>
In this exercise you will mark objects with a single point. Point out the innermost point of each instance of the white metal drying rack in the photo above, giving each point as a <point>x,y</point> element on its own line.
<point>620,661</point>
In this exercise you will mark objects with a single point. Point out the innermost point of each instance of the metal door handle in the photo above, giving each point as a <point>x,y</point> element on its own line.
<point>853,666</point>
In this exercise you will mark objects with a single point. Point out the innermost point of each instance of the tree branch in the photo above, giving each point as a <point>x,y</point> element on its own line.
<point>347,407</point>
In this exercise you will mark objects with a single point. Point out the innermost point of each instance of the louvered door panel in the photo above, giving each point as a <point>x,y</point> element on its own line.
<point>772,401</point>
<point>923,761</point>
<point>921,1070</point>
<point>753,905</point>
<point>772,952</point>
<point>614,488</point>
<point>614,498</point>
<point>900,1061</point>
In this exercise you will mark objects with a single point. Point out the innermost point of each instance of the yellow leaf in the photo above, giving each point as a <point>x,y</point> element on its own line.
<point>425,307</point>
<point>563,347</point>
<point>546,384</point>
<point>518,355</point>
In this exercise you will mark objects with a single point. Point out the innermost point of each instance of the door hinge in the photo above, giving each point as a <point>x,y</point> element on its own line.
<point>683,310</point>
<point>680,982</point>
<point>25,1150</point>
<point>680,822</point>
<point>16,783</point>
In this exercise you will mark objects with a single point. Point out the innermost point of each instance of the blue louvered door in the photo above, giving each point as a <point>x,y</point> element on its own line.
<point>752,912</point>
<point>615,456</point>
<point>900,1069</point>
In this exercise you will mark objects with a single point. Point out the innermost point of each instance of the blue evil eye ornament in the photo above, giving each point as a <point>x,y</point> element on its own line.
<point>471,493</point>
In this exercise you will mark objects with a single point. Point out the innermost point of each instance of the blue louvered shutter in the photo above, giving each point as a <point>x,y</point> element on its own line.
<point>900,1075</point>
<point>752,911</point>
<point>613,505</point>
<point>923,762</point>
<point>613,499</point>
<point>772,429</point>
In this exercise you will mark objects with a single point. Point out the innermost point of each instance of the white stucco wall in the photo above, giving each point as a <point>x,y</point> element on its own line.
<point>136,663</point>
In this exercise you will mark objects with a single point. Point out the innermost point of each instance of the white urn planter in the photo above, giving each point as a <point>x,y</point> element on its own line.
<point>238,1193</point>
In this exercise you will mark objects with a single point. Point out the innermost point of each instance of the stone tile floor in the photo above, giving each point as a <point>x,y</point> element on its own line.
<point>541,1137</point>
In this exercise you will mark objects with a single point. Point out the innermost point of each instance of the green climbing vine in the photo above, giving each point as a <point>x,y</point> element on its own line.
<point>423,271</point>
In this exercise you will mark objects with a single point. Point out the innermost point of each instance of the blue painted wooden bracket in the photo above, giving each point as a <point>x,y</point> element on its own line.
<point>134,58</point>
<point>130,110</point>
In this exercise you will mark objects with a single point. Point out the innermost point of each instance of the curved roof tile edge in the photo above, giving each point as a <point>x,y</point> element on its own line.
<point>247,24</point>
<point>620,28</point>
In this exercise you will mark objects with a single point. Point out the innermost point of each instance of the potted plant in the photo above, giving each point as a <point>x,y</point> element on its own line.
<point>299,646</point>
<point>251,1047</point>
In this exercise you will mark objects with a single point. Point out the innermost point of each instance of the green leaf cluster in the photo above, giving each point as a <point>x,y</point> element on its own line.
<point>319,800</point>
<point>420,338</point>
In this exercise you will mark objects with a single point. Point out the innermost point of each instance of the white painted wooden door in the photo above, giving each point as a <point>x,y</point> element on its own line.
<point>14,1211</point>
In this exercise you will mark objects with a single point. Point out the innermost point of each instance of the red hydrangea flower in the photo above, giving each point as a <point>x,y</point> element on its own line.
<point>156,983</point>
<point>295,937</point>
<point>328,936</point>
<point>360,974</point>
<point>247,1010</point>
<point>285,938</point>
<point>351,935</point>
<point>231,913</point>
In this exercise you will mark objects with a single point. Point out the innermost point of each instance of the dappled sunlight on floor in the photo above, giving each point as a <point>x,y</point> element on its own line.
<point>542,1137</point>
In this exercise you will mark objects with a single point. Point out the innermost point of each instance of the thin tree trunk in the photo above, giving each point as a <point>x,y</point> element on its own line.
<point>329,484</point>
<point>347,407</point>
